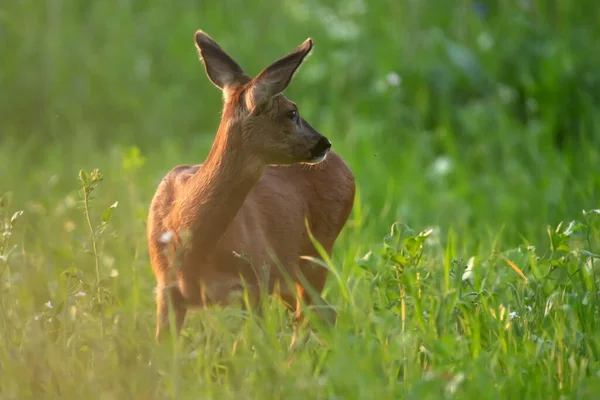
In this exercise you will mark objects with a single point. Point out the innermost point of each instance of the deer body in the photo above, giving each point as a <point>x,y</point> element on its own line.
<point>238,219</point>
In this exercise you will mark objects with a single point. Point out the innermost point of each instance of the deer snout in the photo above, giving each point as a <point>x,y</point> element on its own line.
<point>320,150</point>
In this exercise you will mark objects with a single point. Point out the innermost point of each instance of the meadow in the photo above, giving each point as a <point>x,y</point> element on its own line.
<point>467,268</point>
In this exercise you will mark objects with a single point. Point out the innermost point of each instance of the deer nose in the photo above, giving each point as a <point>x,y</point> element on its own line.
<point>322,147</point>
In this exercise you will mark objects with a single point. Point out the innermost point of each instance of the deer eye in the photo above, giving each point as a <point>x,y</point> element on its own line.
<point>292,115</point>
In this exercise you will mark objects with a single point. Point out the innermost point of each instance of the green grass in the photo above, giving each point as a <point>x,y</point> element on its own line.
<point>474,126</point>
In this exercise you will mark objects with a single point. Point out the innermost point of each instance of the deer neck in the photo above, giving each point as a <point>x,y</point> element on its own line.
<point>218,189</point>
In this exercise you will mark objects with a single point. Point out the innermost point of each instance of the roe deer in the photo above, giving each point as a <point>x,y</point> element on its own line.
<point>267,173</point>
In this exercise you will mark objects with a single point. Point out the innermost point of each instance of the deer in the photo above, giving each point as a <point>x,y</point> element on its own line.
<point>244,217</point>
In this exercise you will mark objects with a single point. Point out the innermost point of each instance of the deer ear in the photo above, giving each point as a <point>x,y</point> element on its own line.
<point>276,77</point>
<point>222,71</point>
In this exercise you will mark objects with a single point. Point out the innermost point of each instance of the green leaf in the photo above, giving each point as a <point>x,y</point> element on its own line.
<point>367,262</point>
<point>84,177</point>
<point>449,256</point>
<point>72,272</point>
<point>108,212</point>
<point>133,159</point>
<point>399,259</point>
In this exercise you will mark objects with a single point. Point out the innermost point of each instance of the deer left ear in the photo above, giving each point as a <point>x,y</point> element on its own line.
<point>222,71</point>
<point>276,77</point>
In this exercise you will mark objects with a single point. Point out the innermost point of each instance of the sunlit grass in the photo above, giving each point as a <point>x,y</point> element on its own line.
<point>474,125</point>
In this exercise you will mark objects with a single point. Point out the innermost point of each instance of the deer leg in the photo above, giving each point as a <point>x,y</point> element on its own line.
<point>163,297</point>
<point>315,276</point>
<point>293,302</point>
<point>298,315</point>
<point>323,310</point>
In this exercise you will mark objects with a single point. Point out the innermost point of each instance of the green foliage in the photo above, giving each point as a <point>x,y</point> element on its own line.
<point>474,122</point>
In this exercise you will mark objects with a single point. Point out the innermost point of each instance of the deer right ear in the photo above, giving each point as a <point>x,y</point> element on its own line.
<point>276,77</point>
<point>222,71</point>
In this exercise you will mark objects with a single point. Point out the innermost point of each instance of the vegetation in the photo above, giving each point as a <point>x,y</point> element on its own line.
<point>476,124</point>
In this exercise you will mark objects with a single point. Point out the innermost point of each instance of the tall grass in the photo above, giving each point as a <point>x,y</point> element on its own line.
<point>475,124</point>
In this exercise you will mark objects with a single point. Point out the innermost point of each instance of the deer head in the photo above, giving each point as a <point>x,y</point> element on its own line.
<point>264,122</point>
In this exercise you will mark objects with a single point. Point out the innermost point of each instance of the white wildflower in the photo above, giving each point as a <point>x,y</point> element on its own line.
<point>393,79</point>
<point>442,166</point>
<point>468,274</point>
<point>453,385</point>
<point>585,300</point>
<point>428,376</point>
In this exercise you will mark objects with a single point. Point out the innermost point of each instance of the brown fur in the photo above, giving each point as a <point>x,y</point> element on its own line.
<point>239,218</point>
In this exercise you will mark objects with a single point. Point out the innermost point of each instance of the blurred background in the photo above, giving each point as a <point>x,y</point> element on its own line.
<point>480,116</point>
